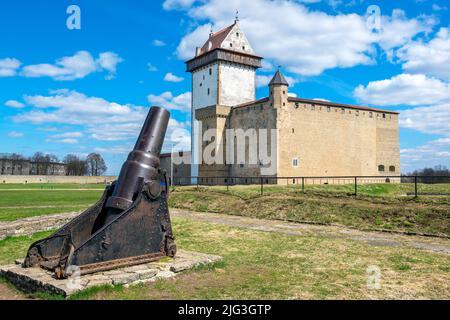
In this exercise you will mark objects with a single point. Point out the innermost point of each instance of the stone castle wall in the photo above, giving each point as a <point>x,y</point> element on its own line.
<point>313,139</point>
<point>56,179</point>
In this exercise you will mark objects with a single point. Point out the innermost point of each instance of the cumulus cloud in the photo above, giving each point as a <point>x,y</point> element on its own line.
<point>430,113</point>
<point>71,107</point>
<point>109,61</point>
<point>307,42</point>
<point>167,100</point>
<point>404,89</point>
<point>158,43</point>
<point>76,134</point>
<point>170,77</point>
<point>14,104</point>
<point>151,67</point>
<point>430,154</point>
<point>177,4</point>
<point>15,134</point>
<point>8,67</point>
<point>78,66</point>
<point>99,118</point>
<point>431,58</point>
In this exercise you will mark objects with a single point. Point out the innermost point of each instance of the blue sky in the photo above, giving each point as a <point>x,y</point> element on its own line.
<point>78,91</point>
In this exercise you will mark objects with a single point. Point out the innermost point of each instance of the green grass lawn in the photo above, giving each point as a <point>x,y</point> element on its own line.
<point>379,206</point>
<point>16,204</point>
<point>262,265</point>
<point>50,186</point>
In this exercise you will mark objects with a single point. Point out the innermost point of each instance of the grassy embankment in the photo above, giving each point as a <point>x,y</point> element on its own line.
<point>377,206</point>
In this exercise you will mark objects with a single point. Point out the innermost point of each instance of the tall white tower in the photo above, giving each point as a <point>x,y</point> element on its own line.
<point>223,74</point>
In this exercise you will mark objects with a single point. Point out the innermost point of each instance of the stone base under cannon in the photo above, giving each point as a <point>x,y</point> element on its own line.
<point>36,279</point>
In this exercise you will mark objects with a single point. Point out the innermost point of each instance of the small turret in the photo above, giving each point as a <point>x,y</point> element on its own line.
<point>278,90</point>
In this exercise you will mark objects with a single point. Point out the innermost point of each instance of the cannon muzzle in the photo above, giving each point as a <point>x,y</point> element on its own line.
<point>142,164</point>
<point>129,225</point>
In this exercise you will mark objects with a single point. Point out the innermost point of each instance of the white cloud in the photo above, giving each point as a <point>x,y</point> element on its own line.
<point>177,4</point>
<point>432,58</point>
<point>263,80</point>
<point>158,43</point>
<point>72,107</point>
<point>15,134</point>
<point>69,141</point>
<point>8,67</point>
<point>397,30</point>
<point>99,119</point>
<point>77,66</point>
<point>303,41</point>
<point>109,61</point>
<point>151,68</point>
<point>404,89</point>
<point>76,134</point>
<point>14,104</point>
<point>437,7</point>
<point>432,119</point>
<point>170,77</point>
<point>429,154</point>
<point>430,115</point>
<point>167,100</point>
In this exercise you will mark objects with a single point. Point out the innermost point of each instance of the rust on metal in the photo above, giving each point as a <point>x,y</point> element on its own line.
<point>129,225</point>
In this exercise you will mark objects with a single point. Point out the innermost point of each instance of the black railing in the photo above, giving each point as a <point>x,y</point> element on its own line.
<point>304,181</point>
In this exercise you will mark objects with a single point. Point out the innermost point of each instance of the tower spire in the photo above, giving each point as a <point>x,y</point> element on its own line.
<point>237,16</point>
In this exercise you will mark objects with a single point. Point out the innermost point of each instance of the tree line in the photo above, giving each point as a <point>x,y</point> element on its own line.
<point>92,165</point>
<point>438,174</point>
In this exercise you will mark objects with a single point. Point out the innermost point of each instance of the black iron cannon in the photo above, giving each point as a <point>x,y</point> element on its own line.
<point>129,225</point>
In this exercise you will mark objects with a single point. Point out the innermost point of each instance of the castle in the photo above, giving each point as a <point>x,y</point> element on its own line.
<point>312,137</point>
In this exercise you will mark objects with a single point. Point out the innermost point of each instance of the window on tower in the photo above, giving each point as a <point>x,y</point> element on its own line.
<point>209,91</point>
<point>231,44</point>
<point>210,71</point>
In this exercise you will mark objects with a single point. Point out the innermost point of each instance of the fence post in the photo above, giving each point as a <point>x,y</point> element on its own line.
<point>228,184</point>
<point>303,184</point>
<point>415,186</point>
<point>197,182</point>
<point>262,187</point>
<point>356,186</point>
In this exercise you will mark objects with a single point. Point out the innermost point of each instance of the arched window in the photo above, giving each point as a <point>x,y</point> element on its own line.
<point>381,168</point>
<point>391,168</point>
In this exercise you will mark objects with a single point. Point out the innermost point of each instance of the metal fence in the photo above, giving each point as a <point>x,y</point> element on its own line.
<point>414,182</point>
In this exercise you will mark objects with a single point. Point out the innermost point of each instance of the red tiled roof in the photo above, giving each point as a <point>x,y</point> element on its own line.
<point>242,105</point>
<point>333,104</point>
<point>216,39</point>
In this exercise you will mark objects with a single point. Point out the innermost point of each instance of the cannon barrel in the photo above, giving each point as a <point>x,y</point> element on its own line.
<point>142,163</point>
<point>129,225</point>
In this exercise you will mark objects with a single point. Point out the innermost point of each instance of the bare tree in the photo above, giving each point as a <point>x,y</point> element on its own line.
<point>41,161</point>
<point>96,165</point>
<point>17,162</point>
<point>75,165</point>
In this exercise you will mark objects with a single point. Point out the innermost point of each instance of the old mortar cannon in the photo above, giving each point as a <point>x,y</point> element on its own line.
<point>129,225</point>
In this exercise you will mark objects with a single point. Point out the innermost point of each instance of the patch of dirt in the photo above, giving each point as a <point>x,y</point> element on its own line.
<point>439,245</point>
<point>8,293</point>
